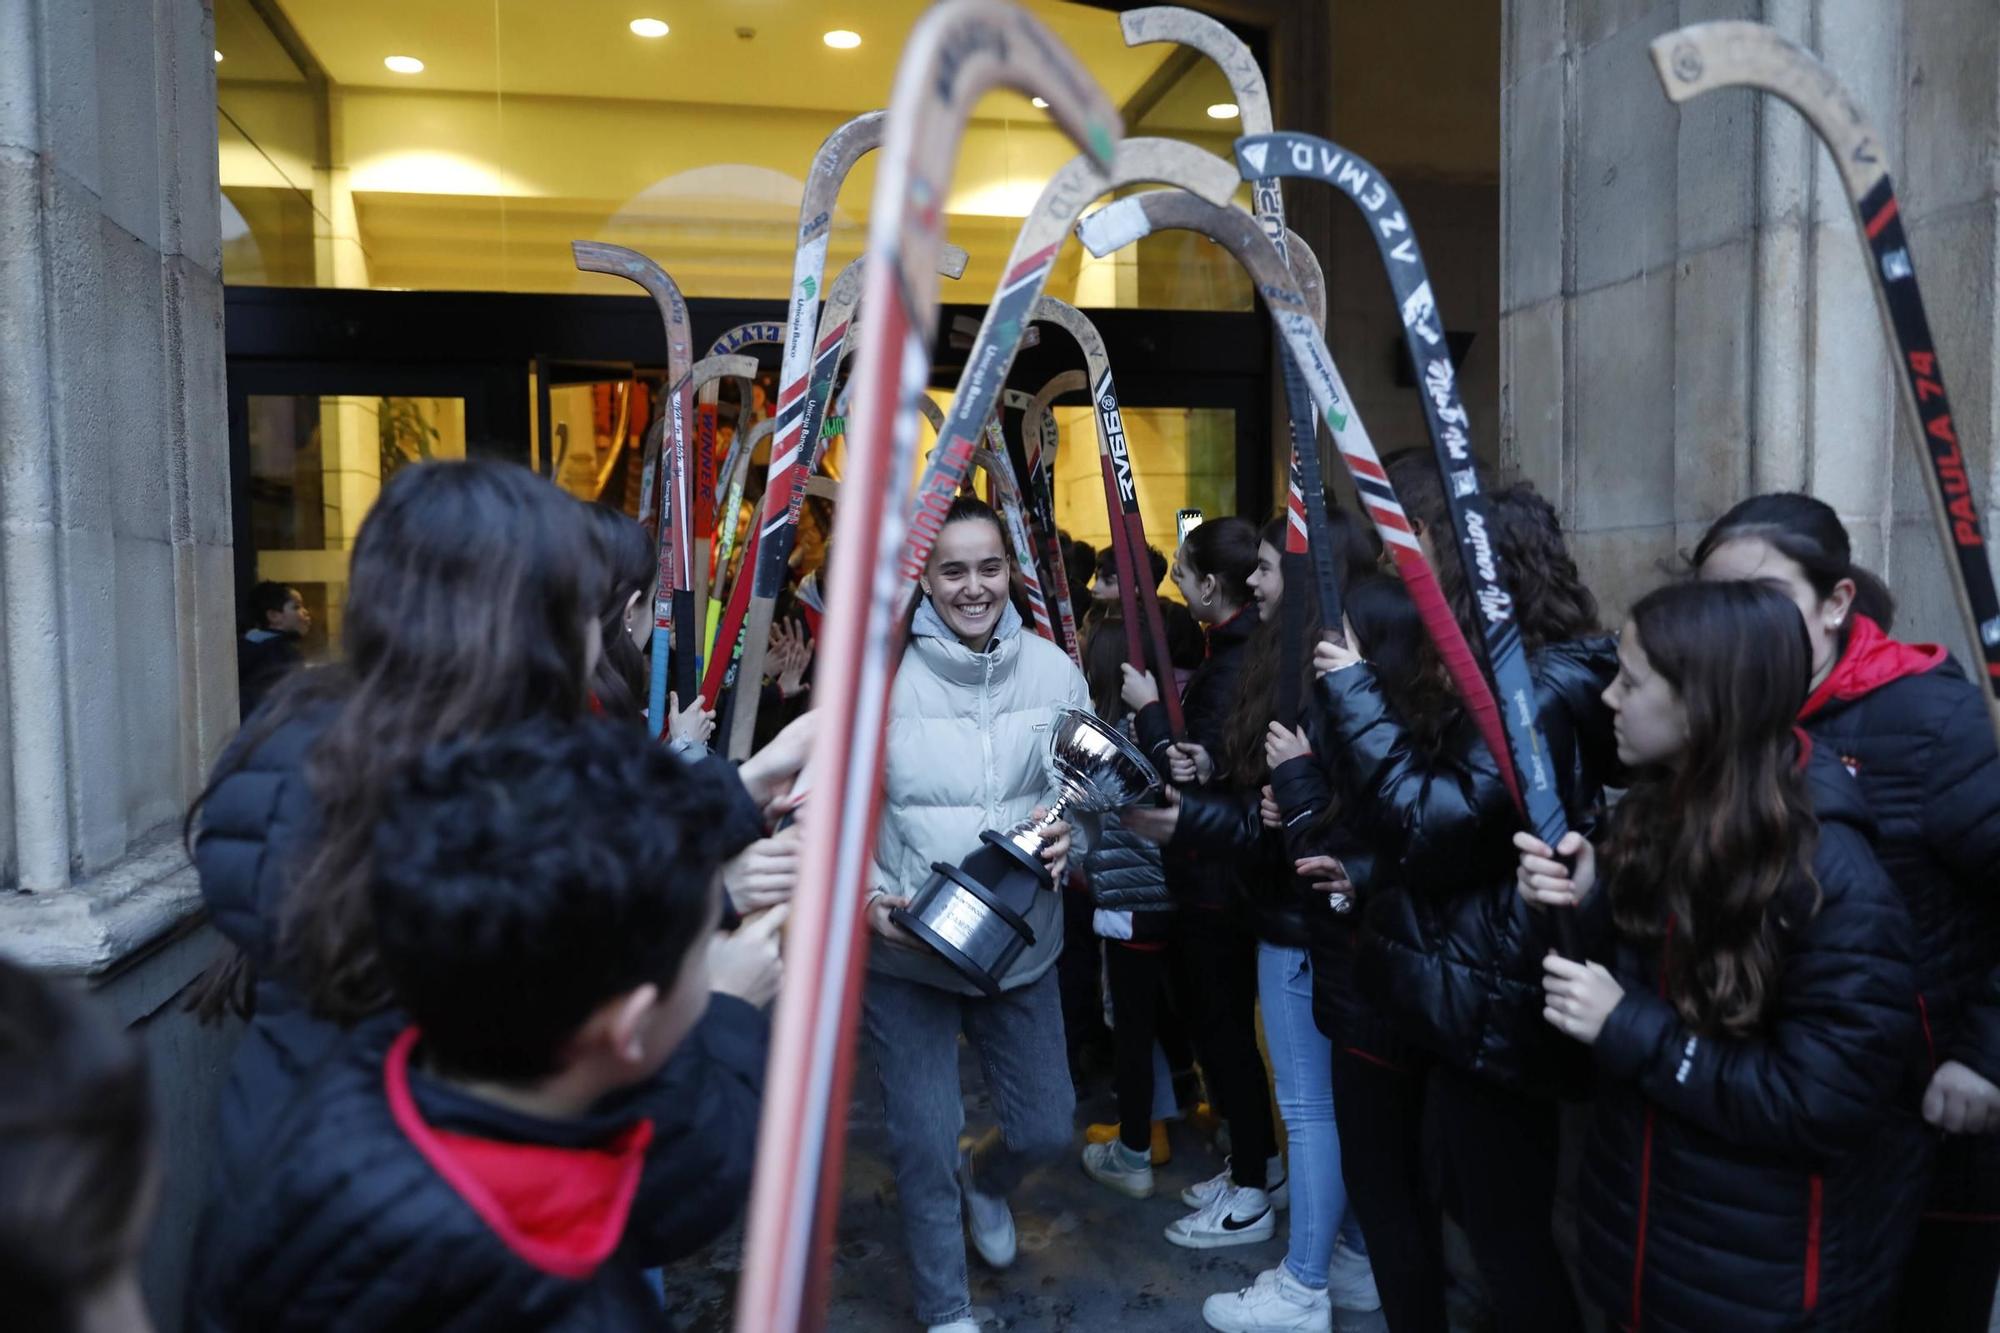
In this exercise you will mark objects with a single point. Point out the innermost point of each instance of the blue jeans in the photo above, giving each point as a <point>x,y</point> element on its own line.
<point>1302,1068</point>
<point>913,1032</point>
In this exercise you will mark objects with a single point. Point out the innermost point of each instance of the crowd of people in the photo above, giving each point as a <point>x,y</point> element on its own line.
<point>504,961</point>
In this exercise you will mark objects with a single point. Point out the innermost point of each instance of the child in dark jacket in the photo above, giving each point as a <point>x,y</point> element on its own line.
<point>567,1090</point>
<point>1912,729</point>
<point>1754,1161</point>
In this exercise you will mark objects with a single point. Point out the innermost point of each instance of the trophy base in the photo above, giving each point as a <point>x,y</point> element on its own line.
<point>975,914</point>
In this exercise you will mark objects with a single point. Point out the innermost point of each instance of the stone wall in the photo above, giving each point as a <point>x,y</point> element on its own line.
<point>1686,314</point>
<point>116,647</point>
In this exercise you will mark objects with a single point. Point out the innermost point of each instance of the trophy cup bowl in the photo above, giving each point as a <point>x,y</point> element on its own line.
<point>974,914</point>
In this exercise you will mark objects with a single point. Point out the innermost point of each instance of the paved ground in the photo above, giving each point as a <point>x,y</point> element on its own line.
<point>1090,1259</point>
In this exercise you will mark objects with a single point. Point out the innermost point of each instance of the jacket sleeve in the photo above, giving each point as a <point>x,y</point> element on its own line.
<point>1962,827</point>
<point>1154,735</point>
<point>704,1104</point>
<point>1301,791</point>
<point>1219,821</point>
<point>1831,1063</point>
<point>1424,811</point>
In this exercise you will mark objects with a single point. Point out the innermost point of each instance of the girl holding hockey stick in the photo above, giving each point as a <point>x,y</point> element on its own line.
<point>1324,1265</point>
<point>1754,1027</point>
<point>1910,727</point>
<point>969,714</point>
<point>625,627</point>
<point>1439,819</point>
<point>1214,951</point>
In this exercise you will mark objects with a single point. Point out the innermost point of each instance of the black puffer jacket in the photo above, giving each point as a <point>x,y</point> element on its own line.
<point>1441,952</point>
<point>1221,825</point>
<point>1914,732</point>
<point>1198,879</point>
<point>1124,870</point>
<point>1349,1018</point>
<point>256,825</point>
<point>353,1212</point>
<point>1766,1183</point>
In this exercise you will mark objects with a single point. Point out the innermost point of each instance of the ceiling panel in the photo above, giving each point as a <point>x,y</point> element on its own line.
<point>584,48</point>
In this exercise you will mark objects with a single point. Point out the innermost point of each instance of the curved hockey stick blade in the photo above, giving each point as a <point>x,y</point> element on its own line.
<point>1707,56</point>
<point>674,620</point>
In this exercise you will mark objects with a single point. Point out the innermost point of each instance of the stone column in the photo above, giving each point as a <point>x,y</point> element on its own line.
<point>115,575</point>
<point>1686,311</point>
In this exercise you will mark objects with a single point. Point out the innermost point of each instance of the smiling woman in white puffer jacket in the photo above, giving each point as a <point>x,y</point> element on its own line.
<point>969,720</point>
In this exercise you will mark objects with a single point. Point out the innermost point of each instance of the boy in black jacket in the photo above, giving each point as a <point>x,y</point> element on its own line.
<point>566,1103</point>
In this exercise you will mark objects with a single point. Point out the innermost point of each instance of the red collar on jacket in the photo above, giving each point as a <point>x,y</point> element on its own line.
<point>562,1210</point>
<point>1871,660</point>
<point>1209,632</point>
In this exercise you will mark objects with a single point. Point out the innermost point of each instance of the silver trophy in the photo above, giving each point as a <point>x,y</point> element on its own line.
<point>975,913</point>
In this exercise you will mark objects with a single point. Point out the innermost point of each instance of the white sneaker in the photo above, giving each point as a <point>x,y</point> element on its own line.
<point>956,1326</point>
<point>1110,1164</point>
<point>1237,1216</point>
<point>1276,1302</point>
<point>1202,1193</point>
<point>1350,1280</point>
<point>987,1218</point>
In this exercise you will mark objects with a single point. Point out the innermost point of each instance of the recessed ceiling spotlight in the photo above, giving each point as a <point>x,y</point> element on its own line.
<point>1222,111</point>
<point>1039,103</point>
<point>218,57</point>
<point>649,28</point>
<point>403,64</point>
<point>840,39</point>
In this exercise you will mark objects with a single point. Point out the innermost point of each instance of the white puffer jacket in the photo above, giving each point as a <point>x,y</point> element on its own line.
<point>967,732</point>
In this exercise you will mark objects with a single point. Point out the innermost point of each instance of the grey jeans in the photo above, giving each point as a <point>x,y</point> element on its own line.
<point>913,1030</point>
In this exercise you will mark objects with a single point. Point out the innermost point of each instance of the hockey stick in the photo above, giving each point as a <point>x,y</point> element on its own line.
<point>1041,500</point>
<point>1308,550</point>
<point>1306,155</point>
<point>675,624</point>
<point>708,374</point>
<point>1117,225</point>
<point>1707,56</point>
<point>955,52</point>
<point>1023,454</point>
<point>1137,588</point>
<point>756,333</point>
<point>833,337</point>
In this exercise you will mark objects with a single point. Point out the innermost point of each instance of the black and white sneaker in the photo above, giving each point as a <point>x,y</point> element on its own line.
<point>1235,1216</point>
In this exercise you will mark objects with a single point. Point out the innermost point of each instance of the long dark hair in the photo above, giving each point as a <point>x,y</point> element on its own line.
<point>1391,635</point>
<point>628,565</point>
<point>469,597</point>
<point>1227,548</point>
<point>76,1147</point>
<point>1702,855</point>
<point>1805,530</point>
<point>1356,550</point>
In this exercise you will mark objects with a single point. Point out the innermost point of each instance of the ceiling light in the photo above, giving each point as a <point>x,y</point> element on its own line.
<point>840,39</point>
<point>1222,111</point>
<point>218,57</point>
<point>649,28</point>
<point>1039,103</point>
<point>404,64</point>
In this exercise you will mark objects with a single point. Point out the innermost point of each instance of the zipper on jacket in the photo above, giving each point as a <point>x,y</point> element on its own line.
<point>1646,1158</point>
<point>1815,1202</point>
<point>986,738</point>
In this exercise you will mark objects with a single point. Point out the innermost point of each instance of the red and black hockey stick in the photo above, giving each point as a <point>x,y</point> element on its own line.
<point>1707,56</point>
